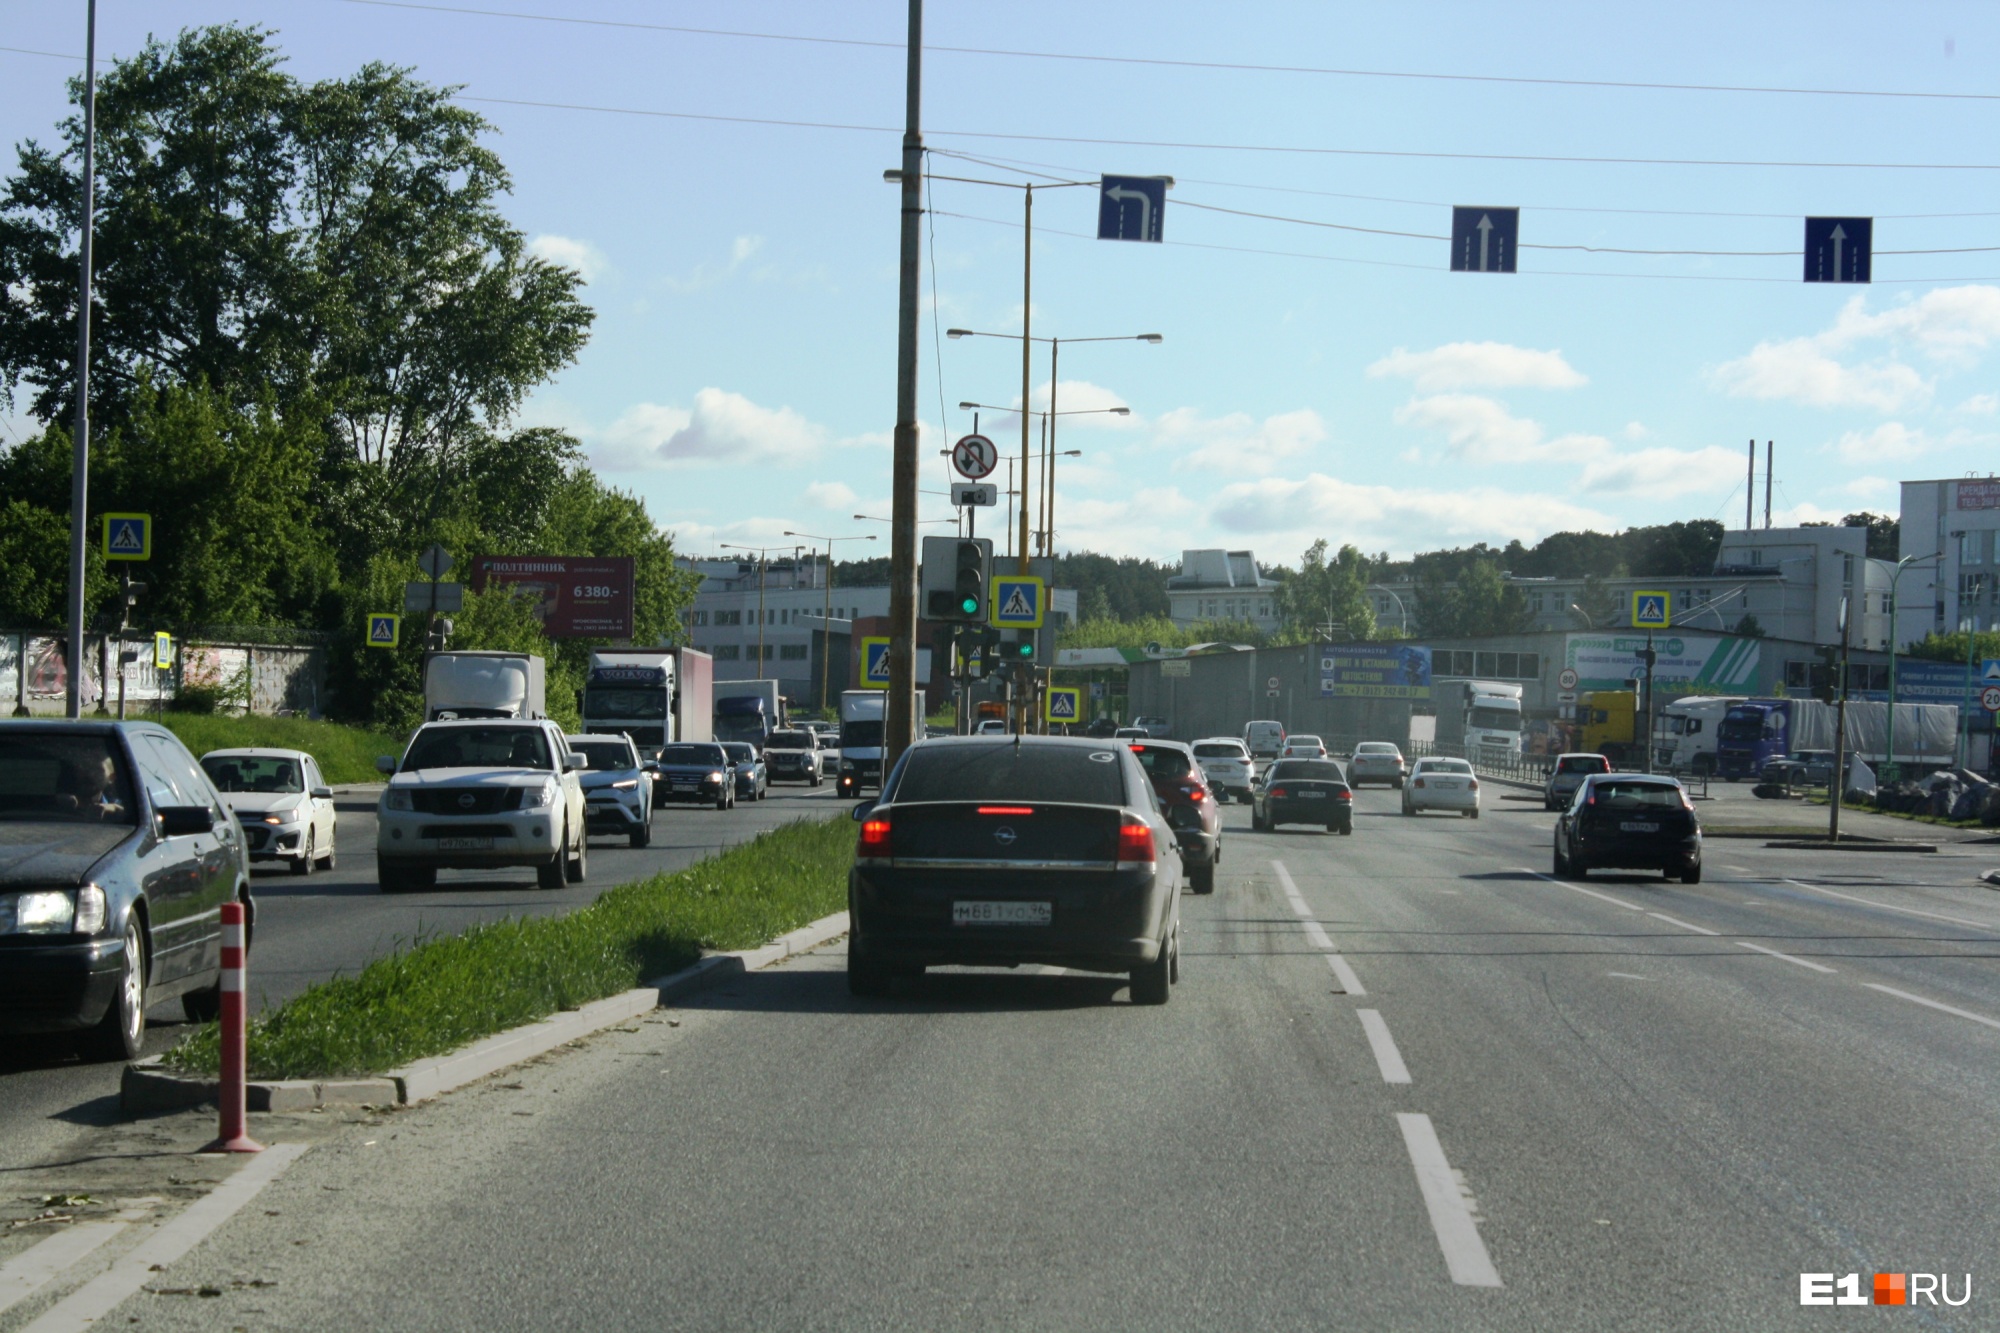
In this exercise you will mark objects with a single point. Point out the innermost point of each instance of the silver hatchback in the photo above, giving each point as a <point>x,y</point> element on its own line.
<point>1376,761</point>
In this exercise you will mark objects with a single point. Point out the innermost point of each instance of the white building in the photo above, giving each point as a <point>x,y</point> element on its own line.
<point>739,612</point>
<point>1222,585</point>
<point>1950,537</point>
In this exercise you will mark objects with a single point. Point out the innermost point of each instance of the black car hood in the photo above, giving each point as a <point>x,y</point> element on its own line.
<point>54,852</point>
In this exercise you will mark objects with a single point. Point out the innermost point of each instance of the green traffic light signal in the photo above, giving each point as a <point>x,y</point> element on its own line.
<point>1024,648</point>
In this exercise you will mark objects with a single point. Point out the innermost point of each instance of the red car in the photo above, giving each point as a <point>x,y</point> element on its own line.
<point>1190,806</point>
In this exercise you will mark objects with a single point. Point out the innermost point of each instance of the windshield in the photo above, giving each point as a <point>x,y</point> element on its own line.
<point>1299,770</point>
<point>740,753</point>
<point>74,778</point>
<point>789,740</point>
<point>990,772</point>
<point>1376,747</point>
<point>693,756</point>
<point>253,773</point>
<point>604,755</point>
<point>1445,766</point>
<point>1584,763</point>
<point>1495,719</point>
<point>600,702</point>
<point>478,747</point>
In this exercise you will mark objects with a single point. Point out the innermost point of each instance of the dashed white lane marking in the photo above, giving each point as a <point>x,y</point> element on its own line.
<point>28,1272</point>
<point>1344,975</point>
<point>1676,921</point>
<point>98,1297</point>
<point>1886,907</point>
<point>1933,1004</point>
<point>1387,1058</point>
<point>1802,962</point>
<point>1451,1217</point>
<point>1593,893</point>
<point>1629,976</point>
<point>1317,934</point>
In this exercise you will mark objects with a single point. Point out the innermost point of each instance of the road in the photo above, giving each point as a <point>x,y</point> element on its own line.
<point>328,923</point>
<point>1610,1104</point>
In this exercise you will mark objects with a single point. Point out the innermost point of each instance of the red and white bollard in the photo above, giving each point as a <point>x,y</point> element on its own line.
<point>230,1093</point>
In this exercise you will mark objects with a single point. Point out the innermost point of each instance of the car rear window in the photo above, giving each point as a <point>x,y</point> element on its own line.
<point>988,772</point>
<point>262,774</point>
<point>740,751</point>
<point>1623,795</point>
<point>692,755</point>
<point>1446,766</point>
<point>1590,763</point>
<point>1300,770</point>
<point>1163,761</point>
<point>478,747</point>
<point>78,778</point>
<point>1218,752</point>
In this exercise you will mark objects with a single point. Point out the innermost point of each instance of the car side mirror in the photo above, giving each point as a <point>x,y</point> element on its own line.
<point>322,793</point>
<point>574,762</point>
<point>385,763</point>
<point>861,811</point>
<point>181,821</point>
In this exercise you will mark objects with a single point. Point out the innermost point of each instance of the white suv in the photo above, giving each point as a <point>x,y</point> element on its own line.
<point>479,794</point>
<point>1226,765</point>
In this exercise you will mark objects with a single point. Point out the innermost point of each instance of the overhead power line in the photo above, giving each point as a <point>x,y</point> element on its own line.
<point>1235,66</point>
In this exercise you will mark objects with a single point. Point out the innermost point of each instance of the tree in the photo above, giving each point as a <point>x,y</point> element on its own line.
<point>1885,534</point>
<point>1322,593</point>
<point>1957,646</point>
<point>1748,628</point>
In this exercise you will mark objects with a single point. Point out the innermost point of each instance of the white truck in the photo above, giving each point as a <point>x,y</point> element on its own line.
<point>748,711</point>
<point>863,718</point>
<point>1482,716</point>
<point>657,696</point>
<point>1685,731</point>
<point>485,685</point>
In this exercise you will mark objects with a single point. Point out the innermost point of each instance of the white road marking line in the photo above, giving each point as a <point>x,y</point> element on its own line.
<point>1458,1235</point>
<point>1629,976</point>
<point>1933,1004</point>
<point>1563,883</point>
<point>1675,921</point>
<point>1344,975</point>
<point>1317,935</point>
<point>174,1238</point>
<point>1802,962</point>
<point>1907,911</point>
<point>1285,879</point>
<point>1387,1058</point>
<point>31,1270</point>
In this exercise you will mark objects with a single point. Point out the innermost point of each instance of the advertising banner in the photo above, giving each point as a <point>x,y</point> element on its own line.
<point>1723,664</point>
<point>1920,681</point>
<point>576,596</point>
<point>1374,671</point>
<point>1979,494</point>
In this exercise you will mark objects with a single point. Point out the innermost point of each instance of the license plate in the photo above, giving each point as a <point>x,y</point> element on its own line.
<point>465,844</point>
<point>685,786</point>
<point>1310,795</point>
<point>1000,914</point>
<point>1636,826</point>
<point>1444,786</point>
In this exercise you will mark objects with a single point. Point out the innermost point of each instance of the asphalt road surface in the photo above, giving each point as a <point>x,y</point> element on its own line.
<point>319,926</point>
<point>1407,1081</point>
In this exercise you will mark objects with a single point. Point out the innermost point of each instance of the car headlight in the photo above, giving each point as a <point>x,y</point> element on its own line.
<point>292,816</point>
<point>627,785</point>
<point>715,777</point>
<point>43,912</point>
<point>539,798</point>
<point>396,800</point>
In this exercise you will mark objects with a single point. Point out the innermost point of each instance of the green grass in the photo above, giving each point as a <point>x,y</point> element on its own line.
<point>345,754</point>
<point>445,992</point>
<point>1911,815</point>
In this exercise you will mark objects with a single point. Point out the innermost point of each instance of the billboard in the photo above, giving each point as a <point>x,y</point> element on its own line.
<point>576,596</point>
<point>1723,664</point>
<point>1374,671</point>
<point>1921,681</point>
<point>1981,494</point>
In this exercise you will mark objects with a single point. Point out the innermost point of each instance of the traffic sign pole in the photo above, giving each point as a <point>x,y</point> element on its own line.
<point>900,725</point>
<point>79,486</point>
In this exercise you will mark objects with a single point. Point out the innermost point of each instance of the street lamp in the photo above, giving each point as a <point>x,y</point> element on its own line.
<point>1588,622</point>
<point>870,518</point>
<point>1055,351</point>
<point>760,550</point>
<point>826,620</point>
<point>1401,610</point>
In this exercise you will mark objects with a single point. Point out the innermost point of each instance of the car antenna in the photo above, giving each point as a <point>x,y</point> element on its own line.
<point>1017,740</point>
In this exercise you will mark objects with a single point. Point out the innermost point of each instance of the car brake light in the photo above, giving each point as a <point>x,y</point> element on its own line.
<point>1135,843</point>
<point>1006,810</point>
<point>1417,783</point>
<point>874,838</point>
<point>1472,785</point>
<point>1343,795</point>
<point>1278,792</point>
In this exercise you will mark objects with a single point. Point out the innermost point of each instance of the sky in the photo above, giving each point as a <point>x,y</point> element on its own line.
<point>1325,376</point>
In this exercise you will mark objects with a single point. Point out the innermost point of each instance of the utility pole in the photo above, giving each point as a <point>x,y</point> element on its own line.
<point>79,486</point>
<point>1837,788</point>
<point>900,728</point>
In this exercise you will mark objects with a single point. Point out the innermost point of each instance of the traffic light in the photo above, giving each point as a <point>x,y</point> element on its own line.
<point>1826,674</point>
<point>988,640</point>
<point>954,578</point>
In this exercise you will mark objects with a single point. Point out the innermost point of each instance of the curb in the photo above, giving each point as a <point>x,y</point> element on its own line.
<point>1821,845</point>
<point>147,1088</point>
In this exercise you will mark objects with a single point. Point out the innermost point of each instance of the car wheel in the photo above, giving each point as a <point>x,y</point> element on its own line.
<point>1579,868</point>
<point>1561,866</point>
<point>1408,808</point>
<point>642,835</point>
<point>549,874</point>
<point>723,802</point>
<point>327,862</point>
<point>1152,983</point>
<point>1202,879</point>
<point>578,865</point>
<point>1174,968</point>
<point>122,1031</point>
<point>1347,830</point>
<point>303,865</point>
<point>1691,875</point>
<point>1473,813</point>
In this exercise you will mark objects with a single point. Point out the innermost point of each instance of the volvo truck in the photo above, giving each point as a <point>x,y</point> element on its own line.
<point>748,711</point>
<point>485,684</point>
<point>657,696</point>
<point>1756,731</point>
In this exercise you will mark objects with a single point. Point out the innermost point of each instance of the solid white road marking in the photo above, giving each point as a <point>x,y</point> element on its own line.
<point>1387,1058</point>
<point>1933,1004</point>
<point>1563,883</point>
<point>174,1238</point>
<point>1629,976</point>
<point>1674,921</point>
<point>1906,911</point>
<point>1458,1235</point>
<point>1317,935</point>
<point>1802,962</point>
<point>1344,975</point>
<point>31,1270</point>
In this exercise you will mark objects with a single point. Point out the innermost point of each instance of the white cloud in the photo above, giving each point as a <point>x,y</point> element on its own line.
<point>1484,365</point>
<point>1238,442</point>
<point>1662,473</point>
<point>1392,517</point>
<point>1949,324</point>
<point>1872,488</point>
<point>1891,441</point>
<point>1081,404</point>
<point>1945,322</point>
<point>721,427</point>
<point>568,252</point>
<point>709,272</point>
<point>831,495</point>
<point>1484,431</point>
<point>1134,525</point>
<point>1980,405</point>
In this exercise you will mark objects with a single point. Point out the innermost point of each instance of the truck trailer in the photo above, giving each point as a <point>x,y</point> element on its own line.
<point>1754,732</point>
<point>485,684</point>
<point>1685,731</point>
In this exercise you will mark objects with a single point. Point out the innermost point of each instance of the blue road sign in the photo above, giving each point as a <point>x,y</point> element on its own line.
<point>1650,610</point>
<point>1019,601</point>
<point>1483,239</point>
<point>874,664</point>
<point>128,536</point>
<point>1064,704</point>
<point>385,631</point>
<point>1838,249</point>
<point>1131,208</point>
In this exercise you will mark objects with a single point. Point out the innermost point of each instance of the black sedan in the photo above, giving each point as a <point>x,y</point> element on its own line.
<point>1303,791</point>
<point>1002,851</point>
<point>697,773</point>
<point>116,856</point>
<point>1629,821</point>
<point>1190,807</point>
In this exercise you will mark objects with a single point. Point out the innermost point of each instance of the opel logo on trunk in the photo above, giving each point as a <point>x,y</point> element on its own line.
<point>465,800</point>
<point>1004,836</point>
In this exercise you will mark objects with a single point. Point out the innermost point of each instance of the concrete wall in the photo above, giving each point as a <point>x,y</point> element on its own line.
<point>282,679</point>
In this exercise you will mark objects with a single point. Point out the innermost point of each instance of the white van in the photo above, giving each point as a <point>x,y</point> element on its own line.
<point>1264,739</point>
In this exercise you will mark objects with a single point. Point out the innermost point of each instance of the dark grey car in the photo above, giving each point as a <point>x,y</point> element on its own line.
<point>116,856</point>
<point>1000,851</point>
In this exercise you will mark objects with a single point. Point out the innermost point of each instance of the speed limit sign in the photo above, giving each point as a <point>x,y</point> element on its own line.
<point>1567,680</point>
<point>1989,698</point>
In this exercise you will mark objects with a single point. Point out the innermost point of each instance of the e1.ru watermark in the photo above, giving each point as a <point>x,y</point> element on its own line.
<point>1890,1289</point>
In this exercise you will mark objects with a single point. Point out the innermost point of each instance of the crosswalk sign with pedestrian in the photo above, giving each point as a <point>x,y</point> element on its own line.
<point>128,536</point>
<point>1650,610</point>
<point>875,664</point>
<point>1063,703</point>
<point>1019,601</point>
<point>385,631</point>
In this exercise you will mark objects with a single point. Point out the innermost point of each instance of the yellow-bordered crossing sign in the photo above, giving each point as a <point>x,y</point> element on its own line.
<point>385,631</point>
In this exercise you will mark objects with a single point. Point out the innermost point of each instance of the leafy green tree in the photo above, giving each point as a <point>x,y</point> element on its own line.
<point>1956,646</point>
<point>1885,534</point>
<point>1478,601</point>
<point>1323,592</point>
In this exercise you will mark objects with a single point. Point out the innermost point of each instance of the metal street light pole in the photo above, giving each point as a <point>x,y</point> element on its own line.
<point>79,487</point>
<point>1892,770</point>
<point>1045,502</point>
<point>760,550</point>
<point>826,620</point>
<point>900,722</point>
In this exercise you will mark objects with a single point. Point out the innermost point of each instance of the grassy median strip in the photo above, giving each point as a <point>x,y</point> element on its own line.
<point>445,992</point>
<point>345,754</point>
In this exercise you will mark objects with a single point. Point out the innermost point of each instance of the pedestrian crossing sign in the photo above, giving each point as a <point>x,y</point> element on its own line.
<point>128,536</point>
<point>1063,703</point>
<point>1650,610</point>
<point>163,651</point>
<point>874,664</point>
<point>1019,601</point>
<point>385,631</point>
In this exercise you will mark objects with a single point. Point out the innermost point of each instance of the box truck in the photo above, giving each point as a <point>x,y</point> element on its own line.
<point>650,694</point>
<point>1481,716</point>
<point>485,684</point>
<point>1754,732</point>
<point>748,710</point>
